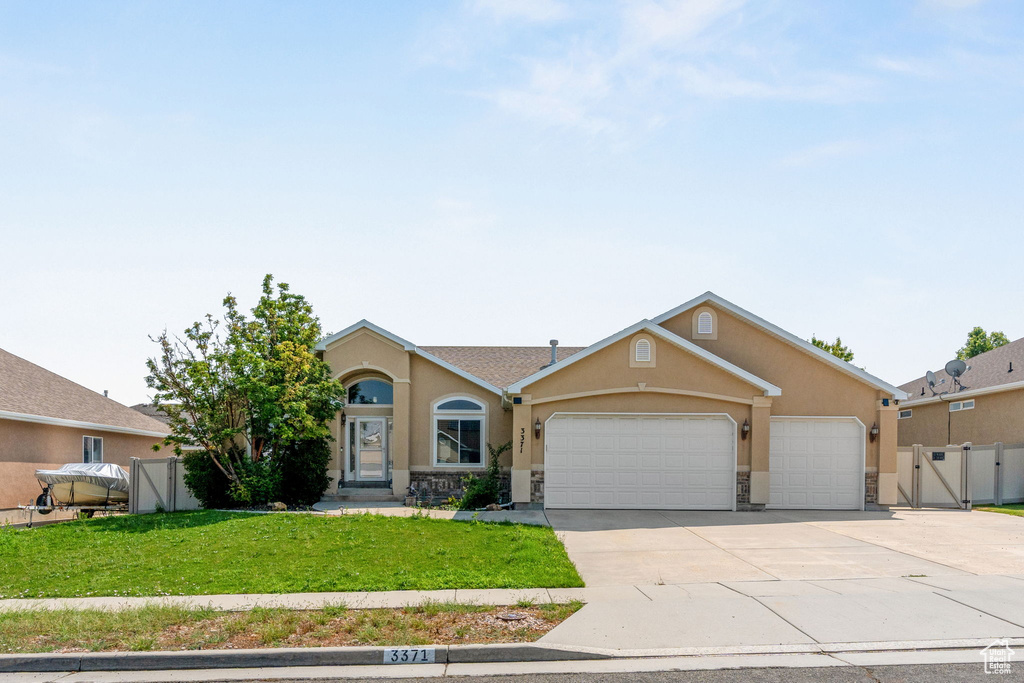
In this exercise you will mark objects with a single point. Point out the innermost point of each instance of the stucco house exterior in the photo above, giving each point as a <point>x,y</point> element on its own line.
<point>986,407</point>
<point>706,406</point>
<point>47,421</point>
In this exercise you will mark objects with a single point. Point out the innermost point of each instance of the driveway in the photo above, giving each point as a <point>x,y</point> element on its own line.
<point>641,547</point>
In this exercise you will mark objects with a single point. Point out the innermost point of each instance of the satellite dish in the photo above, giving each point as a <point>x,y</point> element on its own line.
<point>930,376</point>
<point>955,368</point>
<point>932,382</point>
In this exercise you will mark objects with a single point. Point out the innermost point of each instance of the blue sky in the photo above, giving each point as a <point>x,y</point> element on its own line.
<point>509,171</point>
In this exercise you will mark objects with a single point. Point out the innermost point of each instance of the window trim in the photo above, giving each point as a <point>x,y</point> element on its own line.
<point>909,414</point>
<point>92,449</point>
<point>480,415</point>
<point>961,405</point>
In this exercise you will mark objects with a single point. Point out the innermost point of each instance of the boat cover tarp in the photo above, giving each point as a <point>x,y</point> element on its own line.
<point>104,474</point>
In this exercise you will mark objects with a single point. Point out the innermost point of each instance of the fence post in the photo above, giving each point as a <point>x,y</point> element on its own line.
<point>133,482</point>
<point>965,475</point>
<point>998,494</point>
<point>915,482</point>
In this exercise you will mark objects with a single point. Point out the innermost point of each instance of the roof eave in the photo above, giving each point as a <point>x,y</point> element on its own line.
<point>62,422</point>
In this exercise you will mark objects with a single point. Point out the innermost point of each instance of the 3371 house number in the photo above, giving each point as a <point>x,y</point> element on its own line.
<point>413,655</point>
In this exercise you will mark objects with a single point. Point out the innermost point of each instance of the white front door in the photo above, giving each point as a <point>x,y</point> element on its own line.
<point>673,462</point>
<point>816,463</point>
<point>370,448</point>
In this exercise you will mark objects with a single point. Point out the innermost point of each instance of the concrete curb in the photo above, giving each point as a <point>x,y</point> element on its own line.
<point>444,654</point>
<point>279,657</point>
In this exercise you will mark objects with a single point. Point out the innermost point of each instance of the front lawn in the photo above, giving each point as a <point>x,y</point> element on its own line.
<point>206,552</point>
<point>194,628</point>
<point>1016,509</point>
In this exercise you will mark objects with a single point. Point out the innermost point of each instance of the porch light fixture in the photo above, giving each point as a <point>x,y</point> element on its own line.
<point>536,429</point>
<point>873,433</point>
<point>745,430</point>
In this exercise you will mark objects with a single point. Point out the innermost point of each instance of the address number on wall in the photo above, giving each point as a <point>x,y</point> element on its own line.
<point>415,655</point>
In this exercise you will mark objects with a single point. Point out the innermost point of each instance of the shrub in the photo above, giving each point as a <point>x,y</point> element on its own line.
<point>205,481</point>
<point>481,491</point>
<point>301,471</point>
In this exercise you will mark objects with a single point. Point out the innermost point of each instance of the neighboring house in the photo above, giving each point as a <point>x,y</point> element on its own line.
<point>987,408</point>
<point>152,411</point>
<point>47,421</point>
<point>706,406</point>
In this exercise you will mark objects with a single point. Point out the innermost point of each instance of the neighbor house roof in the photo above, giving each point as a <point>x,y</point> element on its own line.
<point>500,365</point>
<point>29,393</point>
<point>783,335</point>
<point>152,411</point>
<point>1001,369</point>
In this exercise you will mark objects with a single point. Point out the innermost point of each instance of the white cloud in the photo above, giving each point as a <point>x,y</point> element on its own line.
<point>651,22</point>
<point>532,11</point>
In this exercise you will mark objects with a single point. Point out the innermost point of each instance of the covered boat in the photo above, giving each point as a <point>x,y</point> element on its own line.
<point>97,483</point>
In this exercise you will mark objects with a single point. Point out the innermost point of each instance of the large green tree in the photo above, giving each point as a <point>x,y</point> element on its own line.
<point>249,392</point>
<point>836,348</point>
<point>979,341</point>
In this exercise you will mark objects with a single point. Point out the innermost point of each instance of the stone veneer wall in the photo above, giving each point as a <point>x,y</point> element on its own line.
<point>871,487</point>
<point>436,484</point>
<point>742,488</point>
<point>537,486</point>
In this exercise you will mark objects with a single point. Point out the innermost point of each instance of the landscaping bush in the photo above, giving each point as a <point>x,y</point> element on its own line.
<point>205,481</point>
<point>301,471</point>
<point>483,490</point>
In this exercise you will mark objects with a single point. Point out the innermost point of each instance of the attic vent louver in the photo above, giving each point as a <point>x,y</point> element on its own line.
<point>704,323</point>
<point>643,351</point>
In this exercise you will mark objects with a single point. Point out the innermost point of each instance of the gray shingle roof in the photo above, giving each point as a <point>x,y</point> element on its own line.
<point>29,389</point>
<point>499,365</point>
<point>989,369</point>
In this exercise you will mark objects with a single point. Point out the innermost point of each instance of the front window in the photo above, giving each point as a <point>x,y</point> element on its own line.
<point>92,449</point>
<point>459,425</point>
<point>370,392</point>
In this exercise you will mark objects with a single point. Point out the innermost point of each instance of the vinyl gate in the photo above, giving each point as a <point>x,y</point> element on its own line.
<point>158,484</point>
<point>960,476</point>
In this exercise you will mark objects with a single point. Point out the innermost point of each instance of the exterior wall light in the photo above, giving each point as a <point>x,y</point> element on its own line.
<point>873,433</point>
<point>745,430</point>
<point>536,429</point>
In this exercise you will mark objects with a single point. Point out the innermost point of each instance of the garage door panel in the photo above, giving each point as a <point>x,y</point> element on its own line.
<point>816,463</point>
<point>654,462</point>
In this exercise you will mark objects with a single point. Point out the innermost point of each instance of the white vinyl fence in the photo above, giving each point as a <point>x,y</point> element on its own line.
<point>960,476</point>
<point>158,484</point>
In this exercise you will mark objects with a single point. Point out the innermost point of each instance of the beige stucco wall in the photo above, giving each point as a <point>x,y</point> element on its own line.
<point>611,372</point>
<point>28,446</point>
<point>809,385</point>
<point>995,417</point>
<point>419,384</point>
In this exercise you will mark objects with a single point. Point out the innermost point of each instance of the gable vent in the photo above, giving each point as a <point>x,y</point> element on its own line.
<point>704,323</point>
<point>643,351</point>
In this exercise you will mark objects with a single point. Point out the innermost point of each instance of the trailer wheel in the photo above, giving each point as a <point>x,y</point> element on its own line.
<point>43,501</point>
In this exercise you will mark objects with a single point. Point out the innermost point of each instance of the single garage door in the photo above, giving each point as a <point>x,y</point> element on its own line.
<point>816,463</point>
<point>677,462</point>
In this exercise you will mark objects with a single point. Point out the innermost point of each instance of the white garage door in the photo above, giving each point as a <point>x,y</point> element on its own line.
<point>816,463</point>
<point>684,462</point>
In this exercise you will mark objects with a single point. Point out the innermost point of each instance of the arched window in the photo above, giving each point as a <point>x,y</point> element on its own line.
<point>643,351</point>
<point>459,432</point>
<point>370,392</point>
<point>705,323</point>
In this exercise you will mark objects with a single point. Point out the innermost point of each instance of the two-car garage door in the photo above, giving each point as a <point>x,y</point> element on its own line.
<point>640,462</point>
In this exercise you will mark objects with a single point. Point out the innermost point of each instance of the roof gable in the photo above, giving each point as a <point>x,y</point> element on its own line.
<point>778,332</point>
<point>768,388</point>
<point>407,346</point>
<point>31,393</point>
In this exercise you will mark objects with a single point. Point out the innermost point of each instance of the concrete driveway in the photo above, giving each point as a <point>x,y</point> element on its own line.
<point>641,547</point>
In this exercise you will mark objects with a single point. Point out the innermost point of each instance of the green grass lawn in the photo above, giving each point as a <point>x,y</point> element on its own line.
<point>1016,509</point>
<point>205,552</point>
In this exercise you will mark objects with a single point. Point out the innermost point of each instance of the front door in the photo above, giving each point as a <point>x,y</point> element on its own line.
<point>371,448</point>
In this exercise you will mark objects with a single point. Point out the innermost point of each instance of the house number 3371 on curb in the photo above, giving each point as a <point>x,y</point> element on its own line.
<point>414,655</point>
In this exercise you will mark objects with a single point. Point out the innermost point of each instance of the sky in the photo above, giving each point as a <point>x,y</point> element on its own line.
<point>486,172</point>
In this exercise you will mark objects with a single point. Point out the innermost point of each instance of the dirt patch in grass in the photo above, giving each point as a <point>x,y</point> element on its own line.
<point>174,628</point>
